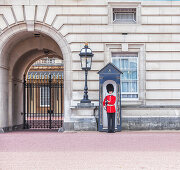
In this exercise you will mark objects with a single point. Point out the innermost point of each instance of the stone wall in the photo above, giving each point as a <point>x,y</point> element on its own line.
<point>155,37</point>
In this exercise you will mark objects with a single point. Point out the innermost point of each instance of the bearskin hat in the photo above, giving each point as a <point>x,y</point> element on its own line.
<point>109,88</point>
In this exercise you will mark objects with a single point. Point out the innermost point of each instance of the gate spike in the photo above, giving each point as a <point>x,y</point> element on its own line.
<point>27,77</point>
<point>47,78</point>
<point>58,78</point>
<point>41,78</point>
<point>29,80</point>
<point>61,78</point>
<point>33,77</point>
<point>38,79</point>
<point>54,78</point>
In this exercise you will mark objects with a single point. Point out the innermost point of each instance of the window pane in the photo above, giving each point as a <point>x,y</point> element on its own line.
<point>88,62</point>
<point>125,75</point>
<point>125,87</point>
<point>133,64</point>
<point>134,87</point>
<point>83,62</point>
<point>124,63</point>
<point>116,62</point>
<point>134,75</point>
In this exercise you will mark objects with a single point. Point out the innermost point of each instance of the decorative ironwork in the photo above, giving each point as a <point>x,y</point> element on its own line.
<point>43,102</point>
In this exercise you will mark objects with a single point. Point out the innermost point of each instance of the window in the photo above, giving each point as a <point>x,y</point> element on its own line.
<point>124,15</point>
<point>44,96</point>
<point>128,64</point>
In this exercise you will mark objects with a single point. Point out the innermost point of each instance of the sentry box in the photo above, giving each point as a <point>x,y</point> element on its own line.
<point>109,74</point>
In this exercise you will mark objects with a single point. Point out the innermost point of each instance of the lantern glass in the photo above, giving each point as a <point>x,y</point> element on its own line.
<point>83,63</point>
<point>86,63</point>
<point>89,62</point>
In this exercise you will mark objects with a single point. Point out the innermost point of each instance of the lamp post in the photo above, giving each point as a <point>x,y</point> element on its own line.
<point>86,61</point>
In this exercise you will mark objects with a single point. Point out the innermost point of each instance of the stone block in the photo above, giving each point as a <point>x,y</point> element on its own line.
<point>78,95</point>
<point>80,75</point>
<point>42,2</point>
<point>84,119</point>
<point>159,20</point>
<point>63,29</point>
<point>84,37</point>
<point>175,19</point>
<point>79,85</point>
<point>98,10</point>
<point>95,47</point>
<point>150,10</point>
<point>68,126</point>
<point>169,11</point>
<point>91,20</point>
<point>80,28</point>
<point>163,95</point>
<point>151,123</point>
<point>86,125</point>
<point>158,38</point>
<point>150,110</point>
<point>40,14</point>
<point>162,47</point>
<point>162,102</point>
<point>74,19</point>
<point>29,12</point>
<point>92,2</point>
<point>165,75</point>
<point>144,20</point>
<point>18,11</point>
<point>30,25</point>
<point>163,66</point>
<point>156,3</point>
<point>3,24</point>
<point>163,85</point>
<point>7,13</point>
<point>51,14</point>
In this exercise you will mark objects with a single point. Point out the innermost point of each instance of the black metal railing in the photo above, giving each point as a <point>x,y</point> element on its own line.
<point>43,102</point>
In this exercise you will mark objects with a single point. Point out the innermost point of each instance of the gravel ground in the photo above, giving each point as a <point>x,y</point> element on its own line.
<point>29,150</point>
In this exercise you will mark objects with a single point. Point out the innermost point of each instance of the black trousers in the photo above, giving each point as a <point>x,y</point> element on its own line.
<point>111,122</point>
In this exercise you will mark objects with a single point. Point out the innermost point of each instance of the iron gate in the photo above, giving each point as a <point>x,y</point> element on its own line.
<point>43,102</point>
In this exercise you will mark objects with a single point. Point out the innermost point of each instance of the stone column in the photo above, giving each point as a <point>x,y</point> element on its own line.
<point>68,124</point>
<point>3,98</point>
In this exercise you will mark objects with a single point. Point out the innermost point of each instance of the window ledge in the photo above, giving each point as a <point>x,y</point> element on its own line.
<point>131,102</point>
<point>121,22</point>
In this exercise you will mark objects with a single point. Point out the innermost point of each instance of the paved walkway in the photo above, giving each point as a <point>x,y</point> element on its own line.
<point>90,151</point>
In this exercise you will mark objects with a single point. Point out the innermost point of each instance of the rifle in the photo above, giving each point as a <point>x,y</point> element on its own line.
<point>106,102</point>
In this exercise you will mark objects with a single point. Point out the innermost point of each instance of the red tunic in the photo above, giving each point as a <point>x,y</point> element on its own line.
<point>111,103</point>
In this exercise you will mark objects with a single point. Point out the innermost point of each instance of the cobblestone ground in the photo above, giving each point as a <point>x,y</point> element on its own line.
<point>90,151</point>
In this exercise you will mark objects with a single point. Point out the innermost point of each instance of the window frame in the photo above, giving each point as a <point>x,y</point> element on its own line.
<point>138,79</point>
<point>140,49</point>
<point>119,21</point>
<point>136,5</point>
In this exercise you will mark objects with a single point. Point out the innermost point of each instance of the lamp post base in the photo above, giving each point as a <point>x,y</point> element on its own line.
<point>85,105</point>
<point>85,101</point>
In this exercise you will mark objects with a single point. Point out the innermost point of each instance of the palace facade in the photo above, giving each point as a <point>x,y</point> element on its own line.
<point>141,38</point>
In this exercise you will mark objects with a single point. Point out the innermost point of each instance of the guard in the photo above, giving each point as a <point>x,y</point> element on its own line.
<point>109,106</point>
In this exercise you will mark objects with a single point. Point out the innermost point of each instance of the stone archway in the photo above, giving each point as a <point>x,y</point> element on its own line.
<point>17,43</point>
